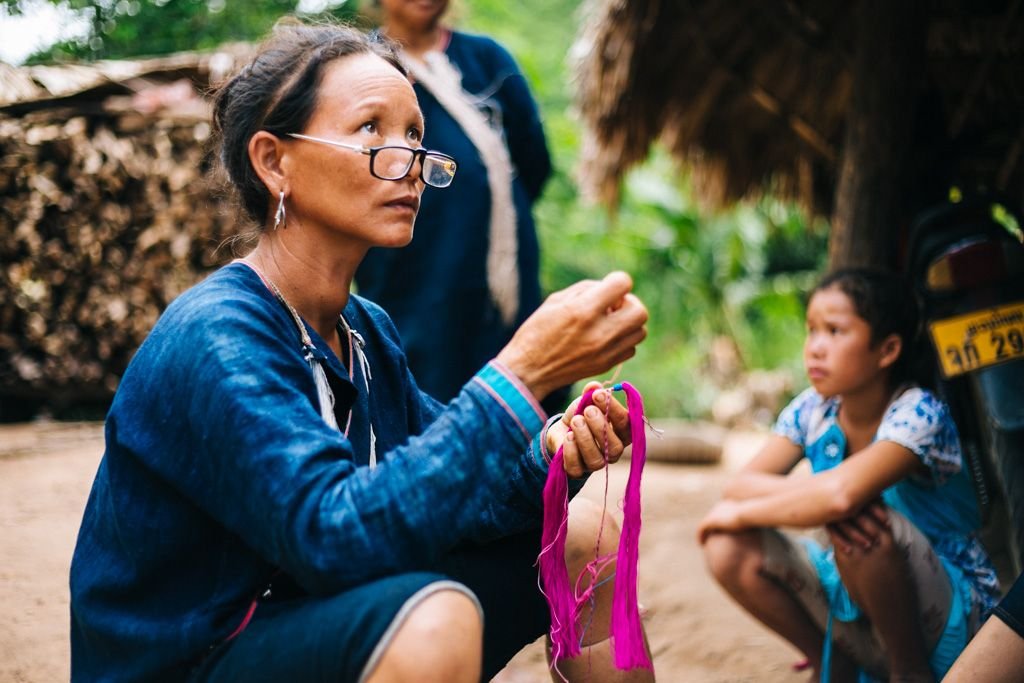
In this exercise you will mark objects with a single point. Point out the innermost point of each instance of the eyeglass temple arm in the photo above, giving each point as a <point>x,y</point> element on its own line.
<point>332,143</point>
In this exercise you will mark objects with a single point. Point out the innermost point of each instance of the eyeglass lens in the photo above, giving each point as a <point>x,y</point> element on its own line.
<point>438,171</point>
<point>394,163</point>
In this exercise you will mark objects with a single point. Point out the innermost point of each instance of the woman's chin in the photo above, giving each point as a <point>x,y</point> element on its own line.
<point>396,238</point>
<point>403,241</point>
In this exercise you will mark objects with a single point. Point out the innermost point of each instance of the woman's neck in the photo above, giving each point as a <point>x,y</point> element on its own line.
<point>417,41</point>
<point>314,281</point>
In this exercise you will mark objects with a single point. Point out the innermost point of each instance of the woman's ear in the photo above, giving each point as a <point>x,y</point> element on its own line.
<point>890,347</point>
<point>265,152</point>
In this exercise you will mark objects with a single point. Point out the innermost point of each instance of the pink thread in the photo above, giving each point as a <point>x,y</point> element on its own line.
<point>566,603</point>
<point>245,620</point>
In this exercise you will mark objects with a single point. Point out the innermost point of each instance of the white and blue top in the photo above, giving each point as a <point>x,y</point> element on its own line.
<point>941,503</point>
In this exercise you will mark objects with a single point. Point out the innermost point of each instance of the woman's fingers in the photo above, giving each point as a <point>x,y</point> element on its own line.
<point>601,431</point>
<point>570,411</point>
<point>591,445</point>
<point>579,332</point>
<point>571,461</point>
<point>609,293</point>
<point>617,414</point>
<point>589,452</point>
<point>607,444</point>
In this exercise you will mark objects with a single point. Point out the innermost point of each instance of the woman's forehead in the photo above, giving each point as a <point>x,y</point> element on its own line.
<point>366,81</point>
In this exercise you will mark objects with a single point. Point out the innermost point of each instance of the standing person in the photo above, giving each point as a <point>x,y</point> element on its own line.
<point>277,500</point>
<point>470,276</point>
<point>901,582</point>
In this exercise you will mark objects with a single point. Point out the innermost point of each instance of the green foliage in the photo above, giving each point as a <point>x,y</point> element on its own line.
<point>742,272</point>
<point>132,28</point>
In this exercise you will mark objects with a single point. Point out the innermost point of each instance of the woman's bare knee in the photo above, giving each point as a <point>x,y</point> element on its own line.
<point>441,639</point>
<point>591,531</point>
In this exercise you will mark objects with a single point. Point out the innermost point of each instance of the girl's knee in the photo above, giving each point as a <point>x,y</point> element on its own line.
<point>733,558</point>
<point>447,616</point>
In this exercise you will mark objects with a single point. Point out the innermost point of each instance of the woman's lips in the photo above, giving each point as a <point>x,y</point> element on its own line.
<point>410,203</point>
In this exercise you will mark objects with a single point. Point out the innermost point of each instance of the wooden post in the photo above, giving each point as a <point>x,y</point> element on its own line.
<point>877,154</point>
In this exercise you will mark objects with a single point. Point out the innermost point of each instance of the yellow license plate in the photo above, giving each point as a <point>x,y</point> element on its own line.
<point>969,342</point>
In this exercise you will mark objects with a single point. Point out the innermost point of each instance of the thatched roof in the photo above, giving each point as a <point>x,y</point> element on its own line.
<point>756,91</point>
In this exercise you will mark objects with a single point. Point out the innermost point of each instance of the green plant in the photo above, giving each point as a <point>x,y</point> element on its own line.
<point>742,271</point>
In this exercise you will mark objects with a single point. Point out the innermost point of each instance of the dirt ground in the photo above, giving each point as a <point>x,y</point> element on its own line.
<point>696,633</point>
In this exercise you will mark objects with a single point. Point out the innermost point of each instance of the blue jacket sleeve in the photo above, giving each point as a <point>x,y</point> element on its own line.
<point>238,433</point>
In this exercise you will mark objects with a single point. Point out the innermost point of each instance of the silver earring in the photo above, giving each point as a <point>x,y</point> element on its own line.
<point>279,217</point>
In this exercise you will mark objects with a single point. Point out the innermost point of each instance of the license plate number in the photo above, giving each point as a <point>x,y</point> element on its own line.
<point>976,340</point>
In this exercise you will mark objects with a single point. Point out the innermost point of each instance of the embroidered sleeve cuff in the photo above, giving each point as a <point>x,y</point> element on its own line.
<point>505,388</point>
<point>539,444</point>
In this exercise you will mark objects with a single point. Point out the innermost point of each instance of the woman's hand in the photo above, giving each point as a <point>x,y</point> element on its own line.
<point>593,437</point>
<point>578,332</point>
<point>724,516</point>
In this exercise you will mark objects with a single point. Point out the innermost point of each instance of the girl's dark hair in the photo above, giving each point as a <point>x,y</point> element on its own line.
<point>277,92</point>
<point>886,301</point>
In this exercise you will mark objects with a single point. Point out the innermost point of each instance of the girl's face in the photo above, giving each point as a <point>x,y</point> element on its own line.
<point>362,101</point>
<point>838,354</point>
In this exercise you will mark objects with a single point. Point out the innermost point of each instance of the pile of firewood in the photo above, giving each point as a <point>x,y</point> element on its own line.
<point>105,217</point>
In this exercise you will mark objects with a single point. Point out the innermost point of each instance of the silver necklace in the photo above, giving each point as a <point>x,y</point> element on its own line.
<point>323,389</point>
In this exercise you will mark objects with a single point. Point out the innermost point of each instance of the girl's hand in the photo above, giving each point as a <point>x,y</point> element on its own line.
<point>861,530</point>
<point>585,446</point>
<point>724,516</point>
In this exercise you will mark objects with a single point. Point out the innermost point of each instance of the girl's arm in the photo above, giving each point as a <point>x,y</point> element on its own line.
<point>821,499</point>
<point>766,473</point>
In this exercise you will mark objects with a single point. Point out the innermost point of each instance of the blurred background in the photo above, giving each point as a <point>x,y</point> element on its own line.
<point>108,209</point>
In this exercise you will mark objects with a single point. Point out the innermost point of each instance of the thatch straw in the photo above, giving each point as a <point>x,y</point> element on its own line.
<point>753,92</point>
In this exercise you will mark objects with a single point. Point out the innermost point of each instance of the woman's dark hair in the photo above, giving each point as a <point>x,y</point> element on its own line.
<point>277,92</point>
<point>886,301</point>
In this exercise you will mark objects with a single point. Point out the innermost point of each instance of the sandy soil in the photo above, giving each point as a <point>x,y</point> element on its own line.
<point>696,633</point>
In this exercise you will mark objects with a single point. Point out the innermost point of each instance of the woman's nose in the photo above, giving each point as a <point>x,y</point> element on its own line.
<point>415,172</point>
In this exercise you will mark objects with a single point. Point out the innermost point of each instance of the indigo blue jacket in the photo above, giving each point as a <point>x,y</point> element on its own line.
<point>449,325</point>
<point>219,471</point>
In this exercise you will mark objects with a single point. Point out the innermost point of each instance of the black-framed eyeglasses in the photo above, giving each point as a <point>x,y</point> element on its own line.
<point>390,162</point>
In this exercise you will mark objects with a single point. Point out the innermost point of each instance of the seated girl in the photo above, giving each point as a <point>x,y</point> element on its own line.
<point>899,583</point>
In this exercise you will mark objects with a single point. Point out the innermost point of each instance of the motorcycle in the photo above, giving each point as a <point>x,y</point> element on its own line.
<point>965,260</point>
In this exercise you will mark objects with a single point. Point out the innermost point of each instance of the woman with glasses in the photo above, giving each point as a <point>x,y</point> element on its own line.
<point>470,275</point>
<point>277,500</point>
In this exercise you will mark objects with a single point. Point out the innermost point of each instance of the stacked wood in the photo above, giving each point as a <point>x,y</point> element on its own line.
<point>106,214</point>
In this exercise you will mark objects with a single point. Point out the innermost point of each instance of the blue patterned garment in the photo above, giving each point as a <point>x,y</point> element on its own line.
<point>220,473</point>
<point>941,503</point>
